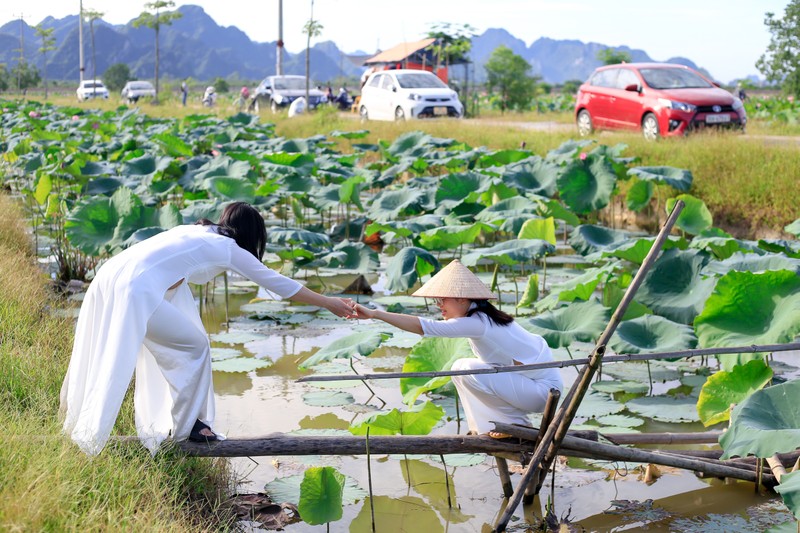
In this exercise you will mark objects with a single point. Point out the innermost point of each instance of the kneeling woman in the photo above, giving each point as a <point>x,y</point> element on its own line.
<point>495,339</point>
<point>139,313</point>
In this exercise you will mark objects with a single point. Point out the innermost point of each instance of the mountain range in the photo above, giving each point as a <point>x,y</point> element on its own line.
<point>196,46</point>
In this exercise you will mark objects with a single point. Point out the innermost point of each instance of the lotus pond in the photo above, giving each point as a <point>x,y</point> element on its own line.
<point>542,230</point>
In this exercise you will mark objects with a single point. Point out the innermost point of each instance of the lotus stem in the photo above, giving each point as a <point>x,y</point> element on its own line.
<point>369,484</point>
<point>227,316</point>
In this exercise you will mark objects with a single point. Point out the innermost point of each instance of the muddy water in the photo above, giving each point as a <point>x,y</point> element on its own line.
<point>410,492</point>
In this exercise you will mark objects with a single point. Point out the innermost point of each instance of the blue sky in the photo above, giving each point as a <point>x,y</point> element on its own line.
<point>724,36</point>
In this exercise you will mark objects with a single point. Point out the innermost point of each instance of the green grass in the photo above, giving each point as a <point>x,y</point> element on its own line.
<point>47,484</point>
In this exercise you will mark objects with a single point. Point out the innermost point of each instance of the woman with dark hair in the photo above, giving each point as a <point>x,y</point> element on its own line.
<point>495,339</point>
<point>139,316</point>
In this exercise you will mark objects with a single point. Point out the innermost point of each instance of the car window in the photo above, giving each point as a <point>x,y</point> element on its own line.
<point>626,77</point>
<point>289,84</point>
<point>387,83</point>
<point>672,78</point>
<point>420,80</point>
<point>376,80</point>
<point>605,78</point>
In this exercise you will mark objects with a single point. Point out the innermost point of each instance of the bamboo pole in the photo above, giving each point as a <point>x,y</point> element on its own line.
<point>547,417</point>
<point>546,451</point>
<point>562,364</point>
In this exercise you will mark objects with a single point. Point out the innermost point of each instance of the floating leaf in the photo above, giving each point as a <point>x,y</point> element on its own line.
<point>237,337</point>
<point>665,408</point>
<point>723,389</point>
<point>361,343</point>
<point>623,421</point>
<point>639,372</point>
<point>631,387</point>
<point>328,398</point>
<point>595,405</point>
<point>582,321</point>
<point>418,420</point>
<point>321,495</point>
<point>240,364</point>
<point>650,333</point>
<point>287,489</point>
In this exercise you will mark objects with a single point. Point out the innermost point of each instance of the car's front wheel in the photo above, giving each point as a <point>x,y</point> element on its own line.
<point>273,105</point>
<point>399,114</point>
<point>363,113</point>
<point>584,122</point>
<point>650,129</point>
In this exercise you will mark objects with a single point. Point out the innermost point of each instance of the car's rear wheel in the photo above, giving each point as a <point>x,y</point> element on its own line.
<point>399,114</point>
<point>362,111</point>
<point>650,129</point>
<point>584,122</point>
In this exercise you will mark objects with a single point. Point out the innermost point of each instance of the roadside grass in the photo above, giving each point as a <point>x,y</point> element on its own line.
<point>47,484</point>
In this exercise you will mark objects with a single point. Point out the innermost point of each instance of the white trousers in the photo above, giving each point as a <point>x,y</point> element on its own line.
<point>182,356</point>
<point>507,397</point>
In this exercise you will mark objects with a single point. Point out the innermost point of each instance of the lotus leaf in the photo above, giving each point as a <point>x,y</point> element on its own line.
<point>630,387</point>
<point>665,408</point>
<point>418,420</point>
<point>674,287</point>
<point>354,256</point>
<point>451,237</point>
<point>456,188</point>
<point>173,145</point>
<point>793,228</point>
<point>294,236</point>
<point>511,252</point>
<point>766,423</point>
<point>639,372</point>
<point>392,204</point>
<point>639,195</point>
<point>431,354</point>
<point>582,321</point>
<point>587,185</point>
<point>636,251</point>
<point>790,248</point>
<point>622,421</point>
<point>723,389</point>
<point>747,308</point>
<point>237,337</point>
<point>724,247</point>
<point>676,178</point>
<point>363,344</point>
<point>321,495</point>
<point>407,266</point>
<point>328,398</point>
<point>695,216</point>
<point>588,238</point>
<point>539,228</point>
<point>567,150</point>
<point>531,293</point>
<point>287,489</point>
<point>580,287</point>
<point>532,175</point>
<point>789,489</point>
<point>651,333</point>
<point>742,262</point>
<point>596,405</point>
<point>553,208</point>
<point>518,205</point>
<point>240,364</point>
<point>231,189</point>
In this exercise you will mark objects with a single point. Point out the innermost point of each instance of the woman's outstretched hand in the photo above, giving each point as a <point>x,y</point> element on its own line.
<point>342,307</point>
<point>364,312</point>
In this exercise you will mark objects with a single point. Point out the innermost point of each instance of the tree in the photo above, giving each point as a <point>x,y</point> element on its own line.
<point>312,28</point>
<point>781,62</point>
<point>48,45</point>
<point>91,15</point>
<point>609,56</point>
<point>453,42</point>
<point>153,18</point>
<point>4,78</point>
<point>27,76</point>
<point>507,72</point>
<point>116,76</point>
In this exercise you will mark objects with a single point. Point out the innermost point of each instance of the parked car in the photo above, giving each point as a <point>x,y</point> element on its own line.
<point>134,90</point>
<point>277,92</point>
<point>89,89</point>
<point>661,99</point>
<point>407,93</point>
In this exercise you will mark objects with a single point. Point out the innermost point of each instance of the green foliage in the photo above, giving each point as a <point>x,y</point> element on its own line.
<point>609,56</point>
<point>582,321</point>
<point>418,420</point>
<point>431,354</point>
<point>695,217</point>
<point>507,74</point>
<point>321,495</point>
<point>407,266</point>
<point>781,63</point>
<point>116,76</point>
<point>651,333</point>
<point>360,343</point>
<point>723,389</point>
<point>24,76</point>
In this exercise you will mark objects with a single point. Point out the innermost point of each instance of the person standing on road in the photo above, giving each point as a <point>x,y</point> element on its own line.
<point>139,317</point>
<point>496,340</point>
<point>184,92</point>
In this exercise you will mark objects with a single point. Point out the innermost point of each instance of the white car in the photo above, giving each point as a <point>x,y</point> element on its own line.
<point>407,93</point>
<point>89,89</point>
<point>134,90</point>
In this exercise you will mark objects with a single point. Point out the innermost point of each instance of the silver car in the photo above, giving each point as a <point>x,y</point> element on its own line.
<point>134,90</point>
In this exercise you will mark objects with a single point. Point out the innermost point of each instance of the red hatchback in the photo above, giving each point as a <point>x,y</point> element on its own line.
<point>658,98</point>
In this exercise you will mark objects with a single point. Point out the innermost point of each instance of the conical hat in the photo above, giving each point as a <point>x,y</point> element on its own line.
<point>455,281</point>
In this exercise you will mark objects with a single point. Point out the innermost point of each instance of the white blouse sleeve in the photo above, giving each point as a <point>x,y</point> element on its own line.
<point>468,327</point>
<point>246,264</point>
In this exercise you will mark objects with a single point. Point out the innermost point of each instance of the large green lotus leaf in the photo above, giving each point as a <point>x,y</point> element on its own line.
<point>95,187</point>
<point>230,188</point>
<point>328,398</point>
<point>287,489</point>
<point>640,372</point>
<point>460,187</point>
<point>582,321</point>
<point>516,206</point>
<point>393,204</point>
<point>567,150</point>
<point>674,287</point>
<point>612,386</point>
<point>321,495</point>
<point>451,237</point>
<point>350,191</point>
<point>723,389</point>
<point>622,421</point>
<point>325,197</point>
<point>418,420</point>
<point>172,145</point>
<point>635,251</point>
<point>781,246</point>
<point>766,423</point>
<point>415,144</point>
<point>362,343</point>
<point>431,354</point>
<point>595,405</point>
<point>502,158</point>
<point>747,308</point>
<point>407,266</point>
<point>587,185</point>
<point>289,236</point>
<point>742,262</point>
<point>539,228</point>
<point>357,256</point>
<point>531,292</point>
<point>651,333</point>
<point>674,177</point>
<point>511,252</point>
<point>296,159</point>
<point>793,228</point>
<point>639,195</point>
<point>237,337</point>
<point>665,408</point>
<point>404,228</point>
<point>724,247</point>
<point>92,225</point>
<point>588,238</point>
<point>532,175</point>
<point>695,216</point>
<point>789,489</point>
<point>579,287</point>
<point>240,364</point>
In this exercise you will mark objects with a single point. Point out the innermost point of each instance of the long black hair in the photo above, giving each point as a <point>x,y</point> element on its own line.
<point>495,315</point>
<point>244,224</point>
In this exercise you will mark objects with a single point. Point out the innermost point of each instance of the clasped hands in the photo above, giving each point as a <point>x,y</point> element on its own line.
<point>348,308</point>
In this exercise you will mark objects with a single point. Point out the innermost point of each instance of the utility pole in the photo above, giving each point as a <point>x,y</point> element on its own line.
<point>81,66</point>
<point>279,51</point>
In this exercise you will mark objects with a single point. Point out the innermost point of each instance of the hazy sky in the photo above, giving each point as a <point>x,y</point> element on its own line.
<point>724,36</point>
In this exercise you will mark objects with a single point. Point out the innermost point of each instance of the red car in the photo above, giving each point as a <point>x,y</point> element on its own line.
<point>661,99</point>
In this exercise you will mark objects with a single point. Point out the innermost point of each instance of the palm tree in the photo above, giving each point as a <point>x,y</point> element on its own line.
<point>312,28</point>
<point>91,15</point>
<point>48,45</point>
<point>153,18</point>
